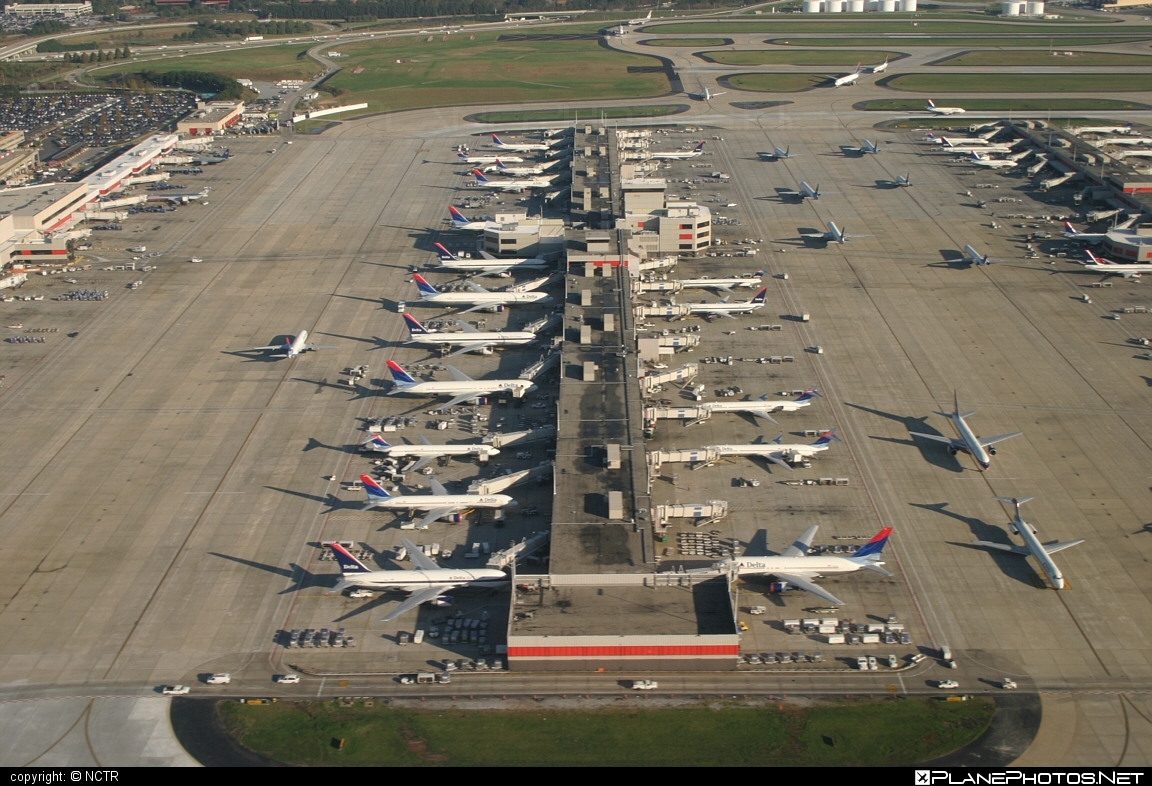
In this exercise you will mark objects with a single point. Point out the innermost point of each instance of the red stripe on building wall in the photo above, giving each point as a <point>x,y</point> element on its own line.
<point>622,651</point>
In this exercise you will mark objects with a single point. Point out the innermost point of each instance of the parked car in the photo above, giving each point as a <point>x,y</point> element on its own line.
<point>645,685</point>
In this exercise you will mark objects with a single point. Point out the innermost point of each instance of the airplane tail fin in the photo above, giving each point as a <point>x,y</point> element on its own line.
<point>1095,260</point>
<point>444,254</point>
<point>699,148</point>
<point>1069,230</point>
<point>496,141</point>
<point>399,376</point>
<point>760,296</point>
<point>348,563</point>
<point>457,217</point>
<point>415,329</point>
<point>480,176</point>
<point>826,438</point>
<point>870,551</point>
<point>501,165</point>
<point>929,104</point>
<point>426,289</point>
<point>377,442</point>
<point>809,394</point>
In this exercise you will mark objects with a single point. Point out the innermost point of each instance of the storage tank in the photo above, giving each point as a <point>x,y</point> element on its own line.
<point>1010,9</point>
<point>833,6</point>
<point>907,5</point>
<point>856,6</point>
<point>887,6</point>
<point>811,6</point>
<point>1035,9</point>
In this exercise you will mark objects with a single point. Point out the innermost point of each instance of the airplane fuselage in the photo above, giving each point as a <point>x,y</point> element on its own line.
<point>517,387</point>
<point>435,501</point>
<point>415,580</point>
<point>1024,530</point>
<point>419,451</point>
<point>481,265</point>
<point>484,298</point>
<point>971,442</point>
<point>767,450</point>
<point>435,339</point>
<point>817,564</point>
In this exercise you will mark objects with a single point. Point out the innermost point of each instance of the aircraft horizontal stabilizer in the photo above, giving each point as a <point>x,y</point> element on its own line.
<point>1023,552</point>
<point>1052,548</point>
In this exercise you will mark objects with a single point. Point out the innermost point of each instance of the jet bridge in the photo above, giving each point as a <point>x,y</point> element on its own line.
<point>680,311</point>
<point>543,324</point>
<point>692,414</point>
<point>500,440</point>
<point>684,373</point>
<point>552,358</point>
<point>700,457</point>
<point>702,513</point>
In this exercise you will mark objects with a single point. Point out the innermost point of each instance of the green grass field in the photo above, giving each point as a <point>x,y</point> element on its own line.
<point>861,733</point>
<point>269,63</point>
<point>835,57</point>
<point>892,23</point>
<point>687,42</point>
<point>591,114</point>
<point>1022,83</point>
<point>1015,58</point>
<point>907,41</point>
<point>408,73</point>
<point>1022,104</point>
<point>773,83</point>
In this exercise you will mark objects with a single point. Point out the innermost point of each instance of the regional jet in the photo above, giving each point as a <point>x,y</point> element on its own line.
<point>693,153</point>
<point>427,583</point>
<point>849,79</point>
<point>806,192</point>
<point>980,448</point>
<point>469,339</point>
<point>293,346</point>
<point>524,147</point>
<point>426,452</point>
<point>879,69</point>
<point>478,298</point>
<point>462,387</point>
<point>634,22</point>
<point>972,257</point>
<point>1125,269</point>
<point>942,110</point>
<point>796,568</point>
<point>1032,545</point>
<point>707,95</point>
<point>486,266</point>
<point>903,180</point>
<point>761,407</point>
<point>832,235</point>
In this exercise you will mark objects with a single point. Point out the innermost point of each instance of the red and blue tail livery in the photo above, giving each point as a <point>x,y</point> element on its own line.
<point>400,377</point>
<point>458,219</point>
<point>415,328</point>
<point>445,254</point>
<point>480,176</point>
<point>348,563</point>
<point>426,289</point>
<point>761,295</point>
<point>876,545</point>
<point>374,489</point>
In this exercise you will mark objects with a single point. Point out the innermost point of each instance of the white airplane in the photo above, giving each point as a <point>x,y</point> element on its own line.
<point>464,158</point>
<point>777,154</point>
<point>951,147</point>
<point>707,95</point>
<point>832,235</point>
<point>980,448</point>
<point>438,504</point>
<point>867,147</point>
<point>693,153</point>
<point>849,79</point>
<point>516,186</point>
<point>722,284</point>
<point>427,583</point>
<point>634,22</point>
<point>460,221</point>
<point>1072,234</point>
<point>990,163</point>
<point>478,298</point>
<point>523,171</point>
<point>777,452</point>
<point>761,406</point>
<point>1125,269</point>
<point>972,257</point>
<point>293,346</point>
<point>486,266</point>
<point>462,388</point>
<point>879,69</point>
<point>1032,545</point>
<point>469,338</point>
<point>903,180</point>
<point>426,452</point>
<point>982,144</point>
<point>726,310</point>
<point>795,568</point>
<point>942,110</point>
<point>806,192</point>
<point>523,147</point>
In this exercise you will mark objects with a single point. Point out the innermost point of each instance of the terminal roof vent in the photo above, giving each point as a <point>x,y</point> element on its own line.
<point>597,243</point>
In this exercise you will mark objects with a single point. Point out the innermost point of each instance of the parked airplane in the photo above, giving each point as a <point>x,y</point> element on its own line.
<point>486,266</point>
<point>426,452</point>
<point>806,192</point>
<point>478,298</point>
<point>867,147</point>
<point>523,171</point>
<point>293,346</point>
<point>848,79</point>
<point>1072,234</point>
<point>942,110</point>
<point>517,186</point>
<point>1032,545</point>
<point>777,452</point>
<point>460,221</point>
<point>427,583</point>
<point>696,151</point>
<point>879,69</point>
<point>761,407</point>
<point>973,258</point>
<point>990,163</point>
<point>722,284</point>
<point>523,147</point>
<point>462,387</point>
<point>903,180</point>
<point>832,235</point>
<point>469,338</point>
<point>464,158</point>
<point>796,568</point>
<point>980,448</point>
<point>948,146</point>
<point>977,142</point>
<point>634,22</point>
<point>779,154</point>
<point>1125,269</point>
<point>727,310</point>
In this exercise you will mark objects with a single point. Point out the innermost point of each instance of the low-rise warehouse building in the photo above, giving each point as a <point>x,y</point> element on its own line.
<point>211,118</point>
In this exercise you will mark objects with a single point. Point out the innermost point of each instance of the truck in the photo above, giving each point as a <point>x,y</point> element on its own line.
<point>645,685</point>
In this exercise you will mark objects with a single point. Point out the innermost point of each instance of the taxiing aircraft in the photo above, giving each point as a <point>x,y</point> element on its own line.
<point>832,235</point>
<point>903,180</point>
<point>942,110</point>
<point>426,452</point>
<point>867,147</point>
<point>778,453</point>
<point>522,147</point>
<point>693,153</point>
<point>707,95</point>
<point>427,583</point>
<point>464,158</point>
<point>478,298</point>
<point>777,154</point>
<point>634,22</point>
<point>980,448</point>
<point>1072,234</point>
<point>293,346</point>
<point>461,388</point>
<point>1032,545</point>
<point>728,310</point>
<point>469,338</point>
<point>486,266</point>
<point>517,186</point>
<point>796,568</point>
<point>806,192</point>
<point>1125,269</point>
<point>848,79</point>
<point>972,257</point>
<point>879,69</point>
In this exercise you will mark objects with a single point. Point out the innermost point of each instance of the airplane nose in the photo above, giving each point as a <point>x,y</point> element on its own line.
<point>985,465</point>
<point>513,504</point>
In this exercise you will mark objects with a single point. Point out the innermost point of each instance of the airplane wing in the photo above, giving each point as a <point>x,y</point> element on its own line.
<point>1053,547</point>
<point>800,546</point>
<point>946,440</point>
<point>789,193</point>
<point>464,326</point>
<point>1023,552</point>
<point>474,286</point>
<point>414,600</point>
<point>437,487</point>
<point>253,349</point>
<point>815,235</point>
<point>459,375</point>
<point>419,559</point>
<point>723,314</point>
<point>778,460</point>
<point>432,515</point>
<point>419,465</point>
<point>471,348</point>
<point>986,441</point>
<point>760,414</point>
<point>461,399</point>
<point>802,581</point>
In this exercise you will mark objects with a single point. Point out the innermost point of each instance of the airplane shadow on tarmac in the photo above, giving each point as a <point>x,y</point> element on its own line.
<point>934,453</point>
<point>1012,566</point>
<point>303,579</point>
